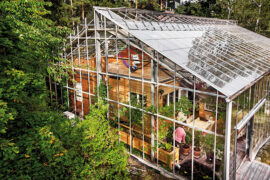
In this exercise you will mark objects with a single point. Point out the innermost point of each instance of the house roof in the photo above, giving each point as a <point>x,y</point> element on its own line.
<point>219,52</point>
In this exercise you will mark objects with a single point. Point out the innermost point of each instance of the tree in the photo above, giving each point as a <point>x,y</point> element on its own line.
<point>37,142</point>
<point>148,4</point>
<point>29,44</point>
<point>62,13</point>
<point>208,8</point>
<point>100,154</point>
<point>251,14</point>
<point>72,12</point>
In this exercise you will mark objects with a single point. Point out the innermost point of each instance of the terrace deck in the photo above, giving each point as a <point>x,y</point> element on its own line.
<point>254,171</point>
<point>122,69</point>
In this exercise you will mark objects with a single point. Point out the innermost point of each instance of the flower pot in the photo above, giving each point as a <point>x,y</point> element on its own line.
<point>197,152</point>
<point>186,149</point>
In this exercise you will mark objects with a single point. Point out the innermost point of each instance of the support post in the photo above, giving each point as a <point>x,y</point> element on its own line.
<point>249,139</point>
<point>97,45</point>
<point>153,79</point>
<point>226,173</point>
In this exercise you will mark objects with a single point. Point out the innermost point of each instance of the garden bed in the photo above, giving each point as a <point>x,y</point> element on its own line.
<point>163,155</point>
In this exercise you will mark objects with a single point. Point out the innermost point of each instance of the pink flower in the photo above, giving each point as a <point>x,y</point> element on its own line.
<point>204,133</point>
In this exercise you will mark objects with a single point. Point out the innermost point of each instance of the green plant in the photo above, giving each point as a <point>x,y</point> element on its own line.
<point>167,110</point>
<point>101,91</point>
<point>208,144</point>
<point>168,146</point>
<point>184,105</point>
<point>169,136</point>
<point>135,114</point>
<point>197,139</point>
<point>188,138</point>
<point>151,109</point>
<point>162,134</point>
<point>98,144</point>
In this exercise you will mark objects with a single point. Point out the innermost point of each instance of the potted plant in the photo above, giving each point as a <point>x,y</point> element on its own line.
<point>197,143</point>
<point>188,140</point>
<point>208,145</point>
<point>219,152</point>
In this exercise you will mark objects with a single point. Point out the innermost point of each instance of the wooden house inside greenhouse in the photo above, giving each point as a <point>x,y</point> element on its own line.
<point>189,95</point>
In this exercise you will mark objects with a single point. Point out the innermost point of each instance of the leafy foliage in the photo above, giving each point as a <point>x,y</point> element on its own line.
<point>183,105</point>
<point>188,138</point>
<point>197,138</point>
<point>101,91</point>
<point>135,114</point>
<point>95,151</point>
<point>35,141</point>
<point>71,12</point>
<point>148,4</point>
<point>29,44</point>
<point>251,14</point>
<point>208,141</point>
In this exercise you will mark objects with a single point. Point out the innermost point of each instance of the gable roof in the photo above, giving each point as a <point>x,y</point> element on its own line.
<point>219,52</point>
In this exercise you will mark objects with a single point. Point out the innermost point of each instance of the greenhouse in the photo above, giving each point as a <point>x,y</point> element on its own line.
<point>189,95</point>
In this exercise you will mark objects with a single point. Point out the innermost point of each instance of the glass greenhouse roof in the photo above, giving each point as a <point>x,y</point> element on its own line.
<point>224,55</point>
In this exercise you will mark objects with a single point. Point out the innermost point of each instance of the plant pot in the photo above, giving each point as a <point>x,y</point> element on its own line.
<point>197,152</point>
<point>209,157</point>
<point>186,149</point>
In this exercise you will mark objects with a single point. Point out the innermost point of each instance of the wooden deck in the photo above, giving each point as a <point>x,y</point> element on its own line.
<point>122,69</point>
<point>254,171</point>
<point>241,148</point>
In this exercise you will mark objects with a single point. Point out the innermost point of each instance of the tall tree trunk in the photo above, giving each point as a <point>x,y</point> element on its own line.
<point>72,12</point>
<point>136,4</point>
<point>82,11</point>
<point>161,5</point>
<point>229,9</point>
<point>258,18</point>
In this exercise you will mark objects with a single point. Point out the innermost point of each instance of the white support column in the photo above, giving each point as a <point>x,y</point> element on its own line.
<point>227,140</point>
<point>153,79</point>
<point>79,58</point>
<point>87,59</point>
<point>97,46</point>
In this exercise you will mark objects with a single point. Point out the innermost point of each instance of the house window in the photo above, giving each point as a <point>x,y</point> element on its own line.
<point>78,90</point>
<point>139,98</point>
<point>168,98</point>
